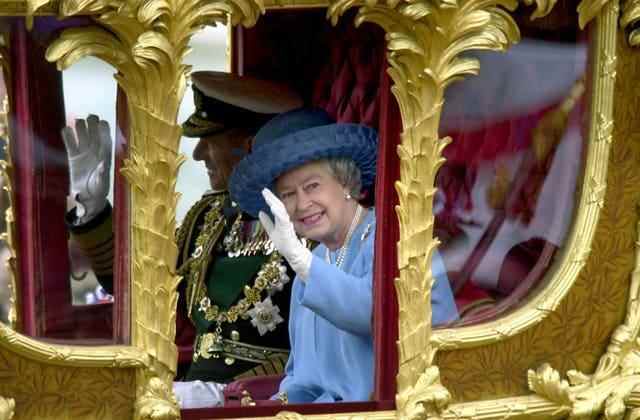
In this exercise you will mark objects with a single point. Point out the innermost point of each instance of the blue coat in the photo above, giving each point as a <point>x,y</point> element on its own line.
<point>330,327</point>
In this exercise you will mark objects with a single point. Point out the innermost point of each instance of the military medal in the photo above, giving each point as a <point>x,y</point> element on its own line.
<point>265,316</point>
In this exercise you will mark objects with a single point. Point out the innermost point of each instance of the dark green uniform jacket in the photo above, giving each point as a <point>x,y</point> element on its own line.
<point>235,288</point>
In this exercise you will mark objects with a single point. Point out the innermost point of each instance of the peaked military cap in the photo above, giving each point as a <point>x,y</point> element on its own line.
<point>225,100</point>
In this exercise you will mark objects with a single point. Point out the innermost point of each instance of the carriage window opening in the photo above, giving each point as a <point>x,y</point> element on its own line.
<point>507,192</point>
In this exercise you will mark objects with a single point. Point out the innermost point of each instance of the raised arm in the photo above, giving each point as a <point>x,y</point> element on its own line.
<point>89,154</point>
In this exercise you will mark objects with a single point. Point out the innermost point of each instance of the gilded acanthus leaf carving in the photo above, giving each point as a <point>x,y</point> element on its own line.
<point>587,398</point>
<point>289,415</point>
<point>426,42</point>
<point>157,402</point>
<point>588,10</point>
<point>7,408</point>
<point>548,383</point>
<point>543,7</point>
<point>605,126</point>
<point>629,21</point>
<point>427,398</point>
<point>32,6</point>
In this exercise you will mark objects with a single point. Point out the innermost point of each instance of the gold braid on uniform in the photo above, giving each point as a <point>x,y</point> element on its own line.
<point>195,267</point>
<point>269,277</point>
<point>183,236</point>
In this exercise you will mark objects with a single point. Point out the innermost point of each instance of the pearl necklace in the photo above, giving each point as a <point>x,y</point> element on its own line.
<point>342,252</point>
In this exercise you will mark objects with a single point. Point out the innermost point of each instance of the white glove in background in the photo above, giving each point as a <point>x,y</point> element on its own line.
<point>284,237</point>
<point>89,153</point>
<point>199,394</point>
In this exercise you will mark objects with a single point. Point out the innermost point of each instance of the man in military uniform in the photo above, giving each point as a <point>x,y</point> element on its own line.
<point>235,287</point>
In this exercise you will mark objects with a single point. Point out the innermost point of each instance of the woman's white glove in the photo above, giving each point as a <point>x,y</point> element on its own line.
<point>283,235</point>
<point>89,157</point>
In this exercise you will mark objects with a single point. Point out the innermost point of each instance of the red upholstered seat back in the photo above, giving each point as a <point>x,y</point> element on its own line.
<point>348,86</point>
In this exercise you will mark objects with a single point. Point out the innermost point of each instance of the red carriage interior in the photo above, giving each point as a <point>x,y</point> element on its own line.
<point>37,116</point>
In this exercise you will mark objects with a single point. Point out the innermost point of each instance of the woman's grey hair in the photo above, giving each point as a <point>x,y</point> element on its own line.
<point>347,173</point>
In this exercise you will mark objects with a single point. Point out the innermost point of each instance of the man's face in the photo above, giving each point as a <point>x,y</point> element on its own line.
<point>220,152</point>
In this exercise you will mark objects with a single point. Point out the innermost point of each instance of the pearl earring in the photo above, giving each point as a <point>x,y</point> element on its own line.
<point>347,196</point>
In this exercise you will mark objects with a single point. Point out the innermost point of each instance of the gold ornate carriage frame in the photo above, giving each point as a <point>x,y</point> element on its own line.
<point>584,324</point>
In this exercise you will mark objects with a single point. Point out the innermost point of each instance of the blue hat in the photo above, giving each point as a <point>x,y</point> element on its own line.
<point>292,139</point>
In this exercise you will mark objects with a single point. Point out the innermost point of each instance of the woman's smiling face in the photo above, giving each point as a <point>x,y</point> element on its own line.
<point>316,203</point>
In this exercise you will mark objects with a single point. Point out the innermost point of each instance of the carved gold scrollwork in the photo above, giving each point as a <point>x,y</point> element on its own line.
<point>543,7</point>
<point>425,43</point>
<point>588,396</point>
<point>289,415</point>
<point>156,400</point>
<point>589,9</point>
<point>7,407</point>
<point>629,20</point>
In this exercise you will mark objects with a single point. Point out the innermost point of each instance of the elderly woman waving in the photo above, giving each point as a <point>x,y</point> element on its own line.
<point>316,169</point>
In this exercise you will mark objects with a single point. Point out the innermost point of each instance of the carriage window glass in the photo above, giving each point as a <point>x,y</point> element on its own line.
<point>507,192</point>
<point>63,197</point>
